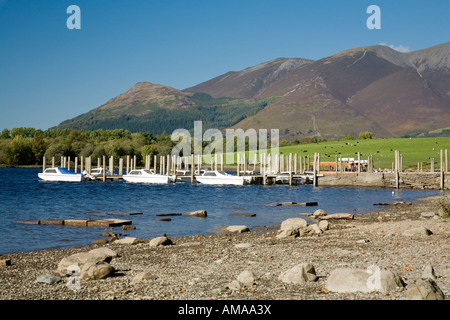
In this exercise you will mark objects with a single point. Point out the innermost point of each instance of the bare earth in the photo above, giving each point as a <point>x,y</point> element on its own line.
<point>202,267</point>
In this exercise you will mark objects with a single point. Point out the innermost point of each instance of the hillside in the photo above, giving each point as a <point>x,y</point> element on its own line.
<point>156,108</point>
<point>371,88</point>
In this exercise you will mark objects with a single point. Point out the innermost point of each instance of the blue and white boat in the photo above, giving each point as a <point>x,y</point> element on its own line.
<point>61,174</point>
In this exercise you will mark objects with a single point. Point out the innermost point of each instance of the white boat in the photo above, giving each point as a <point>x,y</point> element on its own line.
<point>147,176</point>
<point>61,174</point>
<point>98,172</point>
<point>220,177</point>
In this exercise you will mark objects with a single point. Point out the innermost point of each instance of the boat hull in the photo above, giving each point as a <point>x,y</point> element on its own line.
<point>147,179</point>
<point>59,177</point>
<point>238,181</point>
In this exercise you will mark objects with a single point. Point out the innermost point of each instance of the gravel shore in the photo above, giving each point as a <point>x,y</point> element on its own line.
<point>205,267</point>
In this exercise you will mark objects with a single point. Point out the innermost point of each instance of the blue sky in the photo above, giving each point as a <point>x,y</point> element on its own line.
<point>49,73</point>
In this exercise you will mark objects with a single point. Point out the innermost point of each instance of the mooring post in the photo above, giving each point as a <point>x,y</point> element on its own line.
<point>121,167</point>
<point>315,170</point>
<point>442,169</point>
<point>76,165</point>
<point>396,168</point>
<point>192,168</point>
<point>43,163</point>
<point>104,168</point>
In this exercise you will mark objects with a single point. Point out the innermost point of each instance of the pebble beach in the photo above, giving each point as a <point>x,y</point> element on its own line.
<point>214,267</point>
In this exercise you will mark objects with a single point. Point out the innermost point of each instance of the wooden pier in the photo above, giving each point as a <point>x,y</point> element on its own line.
<point>270,169</point>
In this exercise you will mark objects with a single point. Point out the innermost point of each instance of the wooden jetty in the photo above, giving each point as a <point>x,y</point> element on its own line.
<point>104,223</point>
<point>270,169</point>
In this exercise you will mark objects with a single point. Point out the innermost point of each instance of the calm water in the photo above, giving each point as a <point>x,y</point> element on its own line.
<point>24,197</point>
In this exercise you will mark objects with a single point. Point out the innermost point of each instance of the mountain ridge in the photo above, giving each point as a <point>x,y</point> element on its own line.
<point>371,88</point>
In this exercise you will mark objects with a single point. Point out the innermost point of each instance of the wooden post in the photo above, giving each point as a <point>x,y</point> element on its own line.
<point>89,164</point>
<point>155,158</point>
<point>442,169</point>
<point>43,164</point>
<point>104,168</point>
<point>134,162</point>
<point>81,164</point>
<point>215,161</point>
<point>290,169</point>
<point>446,160</point>
<point>53,162</point>
<point>192,168</point>
<point>76,165</point>
<point>128,164</point>
<point>168,165</point>
<point>237,166</point>
<point>315,170</point>
<point>396,168</point>
<point>359,162</point>
<point>68,163</point>
<point>121,167</point>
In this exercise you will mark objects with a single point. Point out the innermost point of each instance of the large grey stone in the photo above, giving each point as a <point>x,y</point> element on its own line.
<point>96,271</point>
<point>160,241</point>
<point>424,289</point>
<point>417,232</point>
<point>48,279</point>
<point>102,254</point>
<point>371,279</point>
<point>247,278</point>
<point>291,227</point>
<point>299,274</point>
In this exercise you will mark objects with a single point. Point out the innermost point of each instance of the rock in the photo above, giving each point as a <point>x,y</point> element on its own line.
<point>324,225</point>
<point>128,241</point>
<point>339,216</point>
<point>419,231</point>
<point>300,274</point>
<point>247,278</point>
<point>428,273</point>
<point>429,214</point>
<point>424,289</point>
<point>291,227</point>
<point>243,245</point>
<point>354,280</point>
<point>48,279</point>
<point>96,271</point>
<point>198,213</point>
<point>128,227</point>
<point>237,229</point>
<point>234,285</point>
<point>5,262</point>
<point>99,241</point>
<point>142,276</point>
<point>318,213</point>
<point>102,254</point>
<point>160,241</point>
<point>315,228</point>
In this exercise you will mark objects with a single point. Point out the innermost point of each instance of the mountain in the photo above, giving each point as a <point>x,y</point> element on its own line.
<point>373,88</point>
<point>251,81</point>
<point>364,89</point>
<point>157,108</point>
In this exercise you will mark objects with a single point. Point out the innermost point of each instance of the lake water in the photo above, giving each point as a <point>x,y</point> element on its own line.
<point>24,197</point>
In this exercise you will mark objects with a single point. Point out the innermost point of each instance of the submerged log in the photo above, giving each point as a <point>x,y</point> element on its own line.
<point>341,216</point>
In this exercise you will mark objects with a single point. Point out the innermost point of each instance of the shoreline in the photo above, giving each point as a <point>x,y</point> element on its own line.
<point>203,267</point>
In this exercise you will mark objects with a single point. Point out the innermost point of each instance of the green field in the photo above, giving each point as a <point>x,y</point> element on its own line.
<point>414,150</point>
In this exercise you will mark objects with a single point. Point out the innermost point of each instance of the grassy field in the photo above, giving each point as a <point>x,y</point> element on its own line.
<point>414,150</point>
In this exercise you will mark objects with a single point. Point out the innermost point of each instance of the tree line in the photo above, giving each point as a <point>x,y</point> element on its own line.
<point>28,146</point>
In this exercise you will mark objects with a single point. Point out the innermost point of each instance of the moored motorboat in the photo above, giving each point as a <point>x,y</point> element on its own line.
<point>221,178</point>
<point>147,176</point>
<point>61,174</point>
